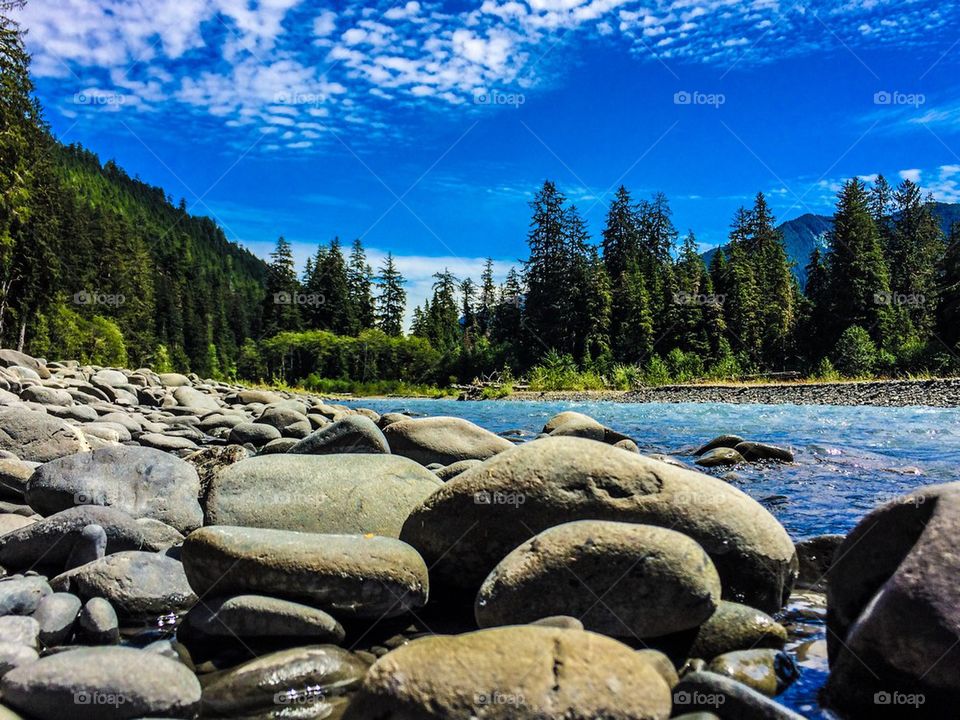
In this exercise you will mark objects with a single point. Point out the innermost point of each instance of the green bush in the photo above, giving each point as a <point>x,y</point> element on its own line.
<point>684,366</point>
<point>855,354</point>
<point>656,372</point>
<point>626,377</point>
<point>825,371</point>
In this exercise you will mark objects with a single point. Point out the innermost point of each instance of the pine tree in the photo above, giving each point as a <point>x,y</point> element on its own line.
<point>916,243</point>
<point>443,320</point>
<point>948,329</point>
<point>743,295</point>
<point>468,311</point>
<point>881,207</point>
<point>859,280</point>
<point>332,307</point>
<point>488,298</point>
<point>280,311</point>
<point>507,325</point>
<point>392,300</point>
<point>776,283</point>
<point>359,279</point>
<point>692,283</point>
<point>621,235</point>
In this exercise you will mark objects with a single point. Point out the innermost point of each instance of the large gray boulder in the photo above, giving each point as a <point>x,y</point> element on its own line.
<point>348,575</point>
<point>15,358</point>
<point>443,440</point>
<point>143,482</point>
<point>466,527</point>
<point>38,437</point>
<point>523,672</point>
<point>350,434</point>
<point>141,586</point>
<point>320,493</point>
<point>653,581</point>
<point>103,683</point>
<point>893,606</point>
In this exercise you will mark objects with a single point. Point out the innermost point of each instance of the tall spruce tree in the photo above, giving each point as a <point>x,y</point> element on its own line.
<point>488,298</point>
<point>859,282</point>
<point>948,311</point>
<point>359,280</point>
<point>280,311</point>
<point>443,318</point>
<point>392,298</point>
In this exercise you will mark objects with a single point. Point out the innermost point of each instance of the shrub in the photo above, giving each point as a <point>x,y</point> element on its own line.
<point>855,354</point>
<point>825,371</point>
<point>656,372</point>
<point>684,366</point>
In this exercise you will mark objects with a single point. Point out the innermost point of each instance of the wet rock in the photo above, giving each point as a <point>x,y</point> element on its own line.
<point>87,684</point>
<point>351,434</point>
<point>141,586</point>
<point>36,436</point>
<point>653,581</point>
<point>513,673</point>
<point>466,526</point>
<point>759,451</point>
<point>348,575</point>
<point>816,555</point>
<point>320,493</point>
<point>767,671</point>
<point>98,623</point>
<point>719,457</point>
<point>287,678</point>
<point>56,614</point>
<point>707,691</point>
<point>139,481</point>
<point>444,440</point>
<point>721,441</point>
<point>256,616</point>
<point>662,664</point>
<point>736,627</point>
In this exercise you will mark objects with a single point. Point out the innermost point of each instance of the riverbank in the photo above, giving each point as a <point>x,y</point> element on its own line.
<point>940,392</point>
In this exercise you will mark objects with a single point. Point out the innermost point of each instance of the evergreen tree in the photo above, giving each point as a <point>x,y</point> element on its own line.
<point>858,277</point>
<point>331,305</point>
<point>507,325</point>
<point>488,298</point>
<point>280,311</point>
<point>692,298</point>
<point>359,279</point>
<point>443,318</point>
<point>468,311</point>
<point>948,311</point>
<point>392,300</point>
<point>776,284</point>
<point>916,243</point>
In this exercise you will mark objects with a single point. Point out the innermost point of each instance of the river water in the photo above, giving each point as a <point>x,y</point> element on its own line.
<point>848,460</point>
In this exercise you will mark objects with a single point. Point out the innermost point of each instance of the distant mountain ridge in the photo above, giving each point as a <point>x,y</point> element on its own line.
<point>803,233</point>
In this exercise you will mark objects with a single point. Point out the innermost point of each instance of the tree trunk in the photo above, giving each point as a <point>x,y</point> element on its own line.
<point>23,334</point>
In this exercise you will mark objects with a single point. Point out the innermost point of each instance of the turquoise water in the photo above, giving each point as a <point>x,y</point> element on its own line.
<point>848,460</point>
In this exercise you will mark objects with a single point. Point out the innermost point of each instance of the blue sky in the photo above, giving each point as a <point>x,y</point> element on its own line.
<point>425,128</point>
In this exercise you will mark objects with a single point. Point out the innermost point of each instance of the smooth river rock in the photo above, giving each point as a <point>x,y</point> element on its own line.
<point>893,606</point>
<point>365,576</point>
<point>143,482</point>
<point>103,683</point>
<point>320,493</point>
<point>443,440</point>
<point>351,434</point>
<point>653,581</point>
<point>467,526</point>
<point>141,586</point>
<point>255,616</point>
<point>38,437</point>
<point>523,672</point>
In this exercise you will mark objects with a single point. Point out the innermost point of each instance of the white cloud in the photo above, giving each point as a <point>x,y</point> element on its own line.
<point>913,175</point>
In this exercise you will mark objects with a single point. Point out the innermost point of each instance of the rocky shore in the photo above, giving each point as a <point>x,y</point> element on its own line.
<point>940,392</point>
<point>178,547</point>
